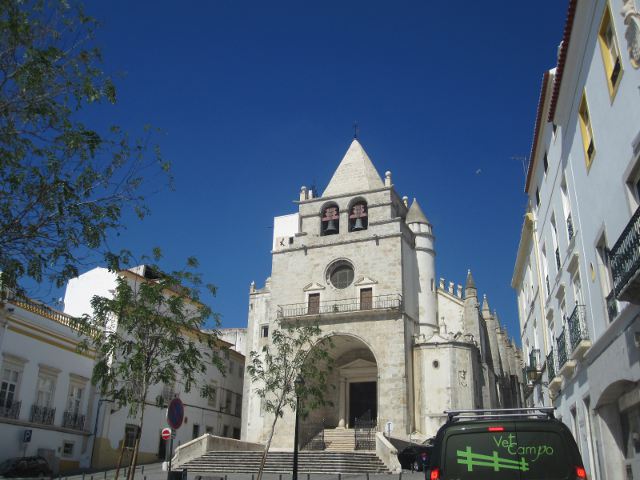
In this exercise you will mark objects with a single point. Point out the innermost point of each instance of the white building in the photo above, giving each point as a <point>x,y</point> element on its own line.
<point>45,388</point>
<point>361,262</point>
<point>219,415</point>
<point>579,255</point>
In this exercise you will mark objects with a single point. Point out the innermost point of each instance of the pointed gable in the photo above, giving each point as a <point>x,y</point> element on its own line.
<point>355,173</point>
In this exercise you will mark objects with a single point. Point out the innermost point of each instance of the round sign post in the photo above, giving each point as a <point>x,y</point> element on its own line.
<point>175,416</point>
<point>166,433</point>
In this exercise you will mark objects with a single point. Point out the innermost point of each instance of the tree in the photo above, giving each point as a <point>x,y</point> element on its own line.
<point>295,349</point>
<point>150,332</point>
<point>63,184</point>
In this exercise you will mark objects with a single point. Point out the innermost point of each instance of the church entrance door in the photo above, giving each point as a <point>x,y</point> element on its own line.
<point>362,401</point>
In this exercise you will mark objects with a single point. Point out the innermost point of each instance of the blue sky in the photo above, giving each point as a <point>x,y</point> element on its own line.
<point>255,99</point>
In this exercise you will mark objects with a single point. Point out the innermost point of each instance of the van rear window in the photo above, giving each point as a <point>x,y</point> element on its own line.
<point>506,456</point>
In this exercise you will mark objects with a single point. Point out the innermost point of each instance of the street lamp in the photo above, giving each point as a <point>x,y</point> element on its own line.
<point>299,384</point>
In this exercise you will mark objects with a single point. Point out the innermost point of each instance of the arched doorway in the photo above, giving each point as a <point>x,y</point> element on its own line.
<point>352,384</point>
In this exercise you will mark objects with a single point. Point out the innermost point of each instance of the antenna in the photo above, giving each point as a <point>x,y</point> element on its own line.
<point>355,129</point>
<point>523,160</point>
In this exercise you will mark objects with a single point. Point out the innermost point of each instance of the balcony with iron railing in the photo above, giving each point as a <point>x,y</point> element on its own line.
<point>10,410</point>
<point>578,333</point>
<point>555,381</point>
<point>625,262</point>
<point>569,227</point>
<point>73,420</point>
<point>558,262</point>
<point>350,305</point>
<point>42,415</point>
<point>565,364</point>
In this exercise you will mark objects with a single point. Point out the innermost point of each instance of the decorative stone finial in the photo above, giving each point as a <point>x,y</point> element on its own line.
<point>303,193</point>
<point>405,200</point>
<point>387,178</point>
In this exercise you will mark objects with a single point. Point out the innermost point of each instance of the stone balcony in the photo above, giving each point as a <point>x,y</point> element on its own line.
<point>379,303</point>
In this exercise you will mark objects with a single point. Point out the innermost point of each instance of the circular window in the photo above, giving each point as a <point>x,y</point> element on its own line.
<point>340,274</point>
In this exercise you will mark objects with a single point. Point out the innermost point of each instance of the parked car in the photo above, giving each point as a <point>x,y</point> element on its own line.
<point>415,457</point>
<point>25,467</point>
<point>507,444</point>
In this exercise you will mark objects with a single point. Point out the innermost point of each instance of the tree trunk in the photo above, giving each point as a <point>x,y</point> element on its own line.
<point>120,458</point>
<point>263,461</point>
<point>136,446</point>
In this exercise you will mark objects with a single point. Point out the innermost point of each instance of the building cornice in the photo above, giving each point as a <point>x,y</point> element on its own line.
<point>523,247</point>
<point>562,57</point>
<point>536,131</point>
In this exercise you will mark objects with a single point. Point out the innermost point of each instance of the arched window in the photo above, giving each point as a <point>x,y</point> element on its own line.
<point>358,219</point>
<point>330,223</point>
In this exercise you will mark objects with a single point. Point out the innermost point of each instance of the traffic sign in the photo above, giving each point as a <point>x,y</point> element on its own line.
<point>175,413</point>
<point>166,433</point>
<point>26,436</point>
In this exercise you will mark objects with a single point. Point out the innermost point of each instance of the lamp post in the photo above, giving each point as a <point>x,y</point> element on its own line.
<point>298,384</point>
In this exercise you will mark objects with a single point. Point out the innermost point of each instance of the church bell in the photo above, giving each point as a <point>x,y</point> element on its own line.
<point>331,227</point>
<point>358,225</point>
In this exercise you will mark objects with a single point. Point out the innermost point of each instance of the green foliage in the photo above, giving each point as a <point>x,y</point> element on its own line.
<point>150,332</point>
<point>63,184</point>
<point>295,349</point>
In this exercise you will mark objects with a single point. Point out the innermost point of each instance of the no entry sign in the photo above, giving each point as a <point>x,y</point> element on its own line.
<point>175,413</point>
<point>166,433</point>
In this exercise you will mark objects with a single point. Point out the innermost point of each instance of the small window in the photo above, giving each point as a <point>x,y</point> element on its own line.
<point>330,224</point>
<point>610,52</point>
<point>196,431</point>
<point>232,366</point>
<point>67,449</point>
<point>537,197</point>
<point>587,132</point>
<point>545,162</point>
<point>264,331</point>
<point>238,405</point>
<point>130,432</point>
<point>225,430</point>
<point>208,429</point>
<point>358,218</point>
<point>213,396</point>
<point>313,305</point>
<point>236,433</point>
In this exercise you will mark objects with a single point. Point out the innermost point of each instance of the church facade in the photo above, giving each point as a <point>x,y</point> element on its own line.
<point>360,261</point>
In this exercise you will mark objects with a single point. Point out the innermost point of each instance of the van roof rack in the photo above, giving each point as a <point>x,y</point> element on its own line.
<point>491,413</point>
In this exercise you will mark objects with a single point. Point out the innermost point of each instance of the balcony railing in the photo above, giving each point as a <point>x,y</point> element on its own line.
<point>43,415</point>
<point>569,227</point>
<point>10,410</point>
<point>73,420</point>
<point>534,358</point>
<point>558,263</point>
<point>546,278</point>
<point>577,327</point>
<point>612,306</point>
<point>382,302</point>
<point>561,342</point>
<point>551,366</point>
<point>625,260</point>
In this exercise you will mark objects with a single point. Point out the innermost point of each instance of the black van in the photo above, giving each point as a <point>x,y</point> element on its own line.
<point>505,444</point>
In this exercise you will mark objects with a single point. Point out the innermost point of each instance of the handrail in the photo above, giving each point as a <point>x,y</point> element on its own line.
<point>312,436</point>
<point>380,302</point>
<point>364,432</point>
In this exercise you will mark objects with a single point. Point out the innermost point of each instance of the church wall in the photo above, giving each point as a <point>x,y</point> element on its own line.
<point>451,310</point>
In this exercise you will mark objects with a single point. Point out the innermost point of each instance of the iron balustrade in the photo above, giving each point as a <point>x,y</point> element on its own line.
<point>625,254</point>
<point>612,306</point>
<point>10,410</point>
<point>364,432</point>
<point>312,436</point>
<point>73,420</point>
<point>534,359</point>
<point>381,302</point>
<point>551,366</point>
<point>43,415</point>
<point>561,342</point>
<point>569,227</point>
<point>577,326</point>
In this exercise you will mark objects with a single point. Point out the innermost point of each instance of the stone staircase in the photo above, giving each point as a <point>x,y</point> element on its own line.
<point>339,440</point>
<point>221,462</point>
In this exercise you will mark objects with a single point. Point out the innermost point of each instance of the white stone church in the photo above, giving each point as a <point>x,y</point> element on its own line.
<point>361,262</point>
